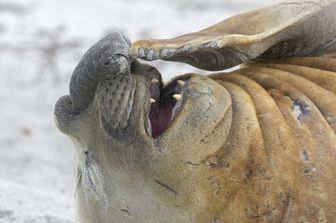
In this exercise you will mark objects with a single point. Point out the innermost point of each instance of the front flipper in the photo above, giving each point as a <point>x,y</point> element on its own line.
<point>293,28</point>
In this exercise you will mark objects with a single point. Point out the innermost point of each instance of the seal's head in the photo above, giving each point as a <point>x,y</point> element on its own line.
<point>140,143</point>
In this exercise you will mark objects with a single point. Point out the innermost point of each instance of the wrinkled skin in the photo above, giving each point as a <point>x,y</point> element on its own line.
<point>253,145</point>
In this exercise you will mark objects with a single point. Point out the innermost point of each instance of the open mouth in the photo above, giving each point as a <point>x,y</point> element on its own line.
<point>165,102</point>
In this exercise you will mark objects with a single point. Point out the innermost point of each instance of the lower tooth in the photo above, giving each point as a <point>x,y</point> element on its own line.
<point>178,97</point>
<point>181,83</point>
<point>152,100</point>
<point>154,81</point>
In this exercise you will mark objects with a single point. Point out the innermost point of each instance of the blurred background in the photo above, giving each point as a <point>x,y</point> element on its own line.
<point>41,41</point>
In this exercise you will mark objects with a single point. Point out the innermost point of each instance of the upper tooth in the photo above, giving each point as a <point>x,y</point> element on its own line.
<point>152,100</point>
<point>154,81</point>
<point>181,83</point>
<point>177,97</point>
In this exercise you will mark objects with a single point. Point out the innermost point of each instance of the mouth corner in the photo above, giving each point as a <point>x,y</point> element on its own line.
<point>165,102</point>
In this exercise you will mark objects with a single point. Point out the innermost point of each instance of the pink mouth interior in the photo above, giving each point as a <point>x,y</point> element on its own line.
<point>160,116</point>
<point>162,111</point>
<point>168,103</point>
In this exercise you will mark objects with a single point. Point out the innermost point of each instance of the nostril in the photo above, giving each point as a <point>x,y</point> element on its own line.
<point>108,62</point>
<point>119,56</point>
<point>115,58</point>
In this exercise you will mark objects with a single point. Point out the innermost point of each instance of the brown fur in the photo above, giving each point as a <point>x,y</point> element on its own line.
<point>292,177</point>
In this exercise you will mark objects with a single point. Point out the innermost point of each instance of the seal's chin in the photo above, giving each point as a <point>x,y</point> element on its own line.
<point>165,104</point>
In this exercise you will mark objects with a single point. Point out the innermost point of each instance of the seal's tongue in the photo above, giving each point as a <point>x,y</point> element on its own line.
<point>164,105</point>
<point>160,116</point>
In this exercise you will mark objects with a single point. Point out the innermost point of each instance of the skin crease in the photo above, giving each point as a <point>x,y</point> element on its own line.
<point>253,145</point>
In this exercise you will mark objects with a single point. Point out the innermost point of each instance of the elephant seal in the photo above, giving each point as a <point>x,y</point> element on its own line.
<point>253,145</point>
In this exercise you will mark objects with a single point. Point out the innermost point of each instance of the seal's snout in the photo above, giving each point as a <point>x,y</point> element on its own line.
<point>107,58</point>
